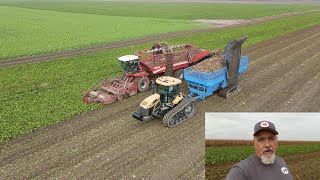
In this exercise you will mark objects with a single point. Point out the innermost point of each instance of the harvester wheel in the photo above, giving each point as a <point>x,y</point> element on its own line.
<point>120,97</point>
<point>142,84</point>
<point>178,74</point>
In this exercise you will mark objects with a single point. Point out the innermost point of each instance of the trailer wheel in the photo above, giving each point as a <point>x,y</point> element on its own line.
<point>190,109</point>
<point>238,87</point>
<point>178,74</point>
<point>142,84</point>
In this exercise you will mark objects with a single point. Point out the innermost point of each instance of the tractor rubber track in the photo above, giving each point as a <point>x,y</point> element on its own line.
<point>81,51</point>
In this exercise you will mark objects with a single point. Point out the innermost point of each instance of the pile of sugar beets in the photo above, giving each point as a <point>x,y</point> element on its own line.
<point>211,64</point>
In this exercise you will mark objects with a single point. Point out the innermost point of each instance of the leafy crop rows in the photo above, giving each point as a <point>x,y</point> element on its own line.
<point>42,31</point>
<point>221,155</point>
<point>167,10</point>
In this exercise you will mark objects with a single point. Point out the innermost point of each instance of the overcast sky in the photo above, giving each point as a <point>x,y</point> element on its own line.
<point>291,126</point>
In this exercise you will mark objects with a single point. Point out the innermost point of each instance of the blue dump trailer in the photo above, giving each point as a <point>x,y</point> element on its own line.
<point>225,80</point>
<point>204,84</point>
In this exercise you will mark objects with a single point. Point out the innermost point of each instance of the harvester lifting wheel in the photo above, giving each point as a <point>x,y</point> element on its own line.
<point>142,84</point>
<point>178,74</point>
<point>120,97</point>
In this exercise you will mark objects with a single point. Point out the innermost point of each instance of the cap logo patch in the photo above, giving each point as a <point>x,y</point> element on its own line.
<point>264,124</point>
<point>284,170</point>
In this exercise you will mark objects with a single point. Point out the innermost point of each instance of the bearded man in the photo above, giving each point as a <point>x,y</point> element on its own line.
<point>264,164</point>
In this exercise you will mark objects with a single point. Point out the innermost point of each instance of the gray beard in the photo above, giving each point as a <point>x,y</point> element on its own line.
<point>268,159</point>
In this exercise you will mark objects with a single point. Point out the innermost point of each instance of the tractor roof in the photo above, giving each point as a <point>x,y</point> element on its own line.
<point>128,58</point>
<point>168,81</point>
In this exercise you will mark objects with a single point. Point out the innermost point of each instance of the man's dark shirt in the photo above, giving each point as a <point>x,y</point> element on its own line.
<point>253,169</point>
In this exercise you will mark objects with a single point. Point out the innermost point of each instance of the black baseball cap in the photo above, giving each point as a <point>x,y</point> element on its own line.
<point>265,125</point>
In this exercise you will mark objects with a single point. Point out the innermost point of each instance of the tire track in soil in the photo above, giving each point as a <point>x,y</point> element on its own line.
<point>132,157</point>
<point>108,143</point>
<point>273,89</point>
<point>196,170</point>
<point>155,149</point>
<point>76,150</point>
<point>69,129</point>
<point>289,87</point>
<point>298,103</point>
<point>292,61</point>
<point>194,138</point>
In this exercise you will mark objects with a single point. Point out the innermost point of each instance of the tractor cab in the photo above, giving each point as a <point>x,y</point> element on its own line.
<point>168,88</point>
<point>161,102</point>
<point>130,64</point>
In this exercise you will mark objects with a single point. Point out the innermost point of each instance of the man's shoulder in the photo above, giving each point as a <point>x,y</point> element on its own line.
<point>246,163</point>
<point>279,158</point>
<point>236,173</point>
<point>280,162</point>
<point>241,170</point>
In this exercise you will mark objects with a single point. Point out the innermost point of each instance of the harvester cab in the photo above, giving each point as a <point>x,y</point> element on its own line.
<point>167,103</point>
<point>130,64</point>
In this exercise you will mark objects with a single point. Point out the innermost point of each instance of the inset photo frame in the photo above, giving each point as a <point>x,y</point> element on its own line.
<point>262,145</point>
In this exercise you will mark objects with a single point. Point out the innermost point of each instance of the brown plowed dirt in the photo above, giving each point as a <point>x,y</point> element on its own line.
<point>302,167</point>
<point>108,143</point>
<point>68,53</point>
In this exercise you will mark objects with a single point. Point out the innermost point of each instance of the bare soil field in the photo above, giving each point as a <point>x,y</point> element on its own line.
<point>108,143</point>
<point>302,167</point>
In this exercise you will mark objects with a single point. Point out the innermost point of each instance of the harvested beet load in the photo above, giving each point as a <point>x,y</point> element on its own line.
<point>211,64</point>
<point>219,73</point>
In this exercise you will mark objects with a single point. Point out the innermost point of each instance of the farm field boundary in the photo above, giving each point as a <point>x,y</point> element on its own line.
<point>80,51</point>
